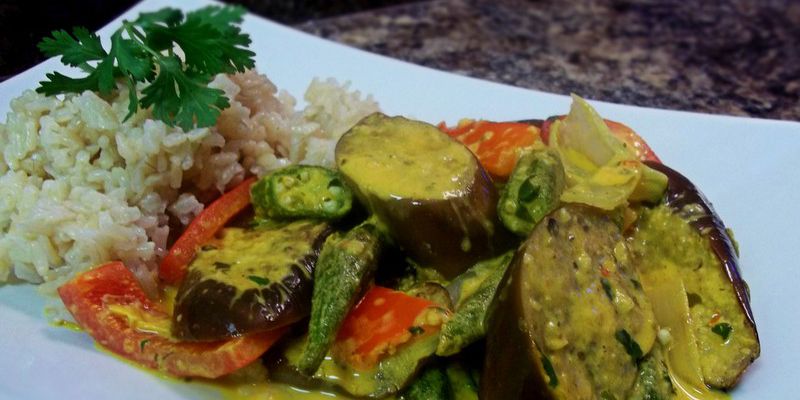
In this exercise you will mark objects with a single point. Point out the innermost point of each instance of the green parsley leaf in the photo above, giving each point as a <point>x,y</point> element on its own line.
<point>133,59</point>
<point>85,46</point>
<point>723,329</point>
<point>166,15</point>
<point>143,51</point>
<point>142,344</point>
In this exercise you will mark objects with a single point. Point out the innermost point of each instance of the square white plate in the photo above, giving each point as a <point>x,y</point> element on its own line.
<point>747,167</point>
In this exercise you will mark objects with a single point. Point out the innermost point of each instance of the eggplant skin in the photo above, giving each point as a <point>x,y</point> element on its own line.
<point>209,308</point>
<point>428,191</point>
<point>681,192</point>
<point>724,356</point>
<point>434,231</point>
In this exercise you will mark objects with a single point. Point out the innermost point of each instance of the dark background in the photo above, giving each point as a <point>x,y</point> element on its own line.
<point>735,57</point>
<point>23,23</point>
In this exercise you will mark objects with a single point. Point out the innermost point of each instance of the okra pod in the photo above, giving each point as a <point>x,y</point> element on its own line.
<point>345,268</point>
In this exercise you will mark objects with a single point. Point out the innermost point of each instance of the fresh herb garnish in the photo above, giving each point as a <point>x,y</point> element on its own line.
<point>144,51</point>
<point>142,344</point>
<point>258,280</point>
<point>723,329</point>
<point>631,347</point>
<point>551,373</point>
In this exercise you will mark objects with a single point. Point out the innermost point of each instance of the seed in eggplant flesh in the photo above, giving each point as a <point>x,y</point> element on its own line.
<point>554,323</point>
<point>249,280</point>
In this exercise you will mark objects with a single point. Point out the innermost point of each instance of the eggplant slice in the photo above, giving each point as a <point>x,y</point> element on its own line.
<point>428,191</point>
<point>569,320</point>
<point>249,280</point>
<point>692,237</point>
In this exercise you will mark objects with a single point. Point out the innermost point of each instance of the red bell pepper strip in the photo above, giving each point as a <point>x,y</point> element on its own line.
<point>383,320</point>
<point>202,229</point>
<point>623,132</point>
<point>496,144</point>
<point>110,305</point>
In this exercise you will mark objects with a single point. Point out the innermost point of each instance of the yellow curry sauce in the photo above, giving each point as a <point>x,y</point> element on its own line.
<point>662,240</point>
<point>434,166</point>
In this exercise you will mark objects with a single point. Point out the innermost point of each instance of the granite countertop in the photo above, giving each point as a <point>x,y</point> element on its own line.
<point>739,57</point>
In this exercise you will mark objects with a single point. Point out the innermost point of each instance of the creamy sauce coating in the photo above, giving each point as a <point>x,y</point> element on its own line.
<point>409,159</point>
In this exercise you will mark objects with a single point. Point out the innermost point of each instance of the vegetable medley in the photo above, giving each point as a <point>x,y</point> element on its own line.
<point>553,259</point>
<point>588,268</point>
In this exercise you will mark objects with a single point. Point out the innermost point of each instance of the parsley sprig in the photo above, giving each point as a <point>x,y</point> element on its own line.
<point>144,51</point>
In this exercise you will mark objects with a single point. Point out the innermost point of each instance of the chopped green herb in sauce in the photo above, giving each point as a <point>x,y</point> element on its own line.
<point>416,330</point>
<point>607,288</point>
<point>606,395</point>
<point>723,329</point>
<point>258,280</point>
<point>551,373</point>
<point>142,344</point>
<point>629,343</point>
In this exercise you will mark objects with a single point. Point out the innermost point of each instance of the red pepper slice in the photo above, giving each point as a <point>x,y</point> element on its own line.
<point>640,148</point>
<point>202,229</point>
<point>496,144</point>
<point>108,303</point>
<point>383,320</point>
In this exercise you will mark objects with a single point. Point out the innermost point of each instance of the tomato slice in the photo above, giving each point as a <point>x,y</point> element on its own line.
<point>110,305</point>
<point>623,132</point>
<point>496,144</point>
<point>202,229</point>
<point>383,320</point>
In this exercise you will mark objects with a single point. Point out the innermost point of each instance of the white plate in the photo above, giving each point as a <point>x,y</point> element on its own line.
<point>748,167</point>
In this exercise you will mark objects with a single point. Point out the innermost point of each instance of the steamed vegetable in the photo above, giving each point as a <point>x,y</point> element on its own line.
<point>473,291</point>
<point>344,270</point>
<point>108,303</point>
<point>388,376</point>
<point>653,381</point>
<point>687,235</point>
<point>569,319</point>
<point>382,321</point>
<point>497,145</point>
<point>630,139</point>
<point>143,52</point>
<point>173,267</point>
<point>432,384</point>
<point>442,381</point>
<point>428,191</point>
<point>601,171</point>
<point>301,191</point>
<point>381,345</point>
<point>533,190</point>
<point>667,293</point>
<point>249,280</point>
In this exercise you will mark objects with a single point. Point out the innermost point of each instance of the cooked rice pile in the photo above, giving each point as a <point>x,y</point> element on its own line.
<point>79,186</point>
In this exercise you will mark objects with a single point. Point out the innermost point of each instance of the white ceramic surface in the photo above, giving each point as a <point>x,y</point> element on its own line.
<point>747,167</point>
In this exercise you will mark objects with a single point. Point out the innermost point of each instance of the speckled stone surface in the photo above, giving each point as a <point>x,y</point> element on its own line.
<point>739,57</point>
